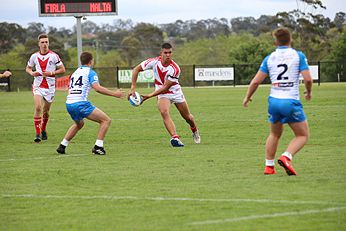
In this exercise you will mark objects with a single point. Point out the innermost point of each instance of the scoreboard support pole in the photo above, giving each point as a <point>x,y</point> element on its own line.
<point>79,38</point>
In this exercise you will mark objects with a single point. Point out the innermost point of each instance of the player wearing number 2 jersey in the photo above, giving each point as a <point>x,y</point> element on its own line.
<point>78,106</point>
<point>168,91</point>
<point>284,66</point>
<point>47,65</point>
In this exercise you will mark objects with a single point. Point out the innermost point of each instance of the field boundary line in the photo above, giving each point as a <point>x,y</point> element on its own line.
<point>105,197</point>
<point>255,217</point>
<point>42,157</point>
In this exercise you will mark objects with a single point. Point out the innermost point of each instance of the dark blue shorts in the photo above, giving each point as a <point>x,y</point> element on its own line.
<point>285,110</point>
<point>80,110</point>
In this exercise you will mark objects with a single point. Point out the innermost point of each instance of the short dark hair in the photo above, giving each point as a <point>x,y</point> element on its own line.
<point>166,46</point>
<point>42,36</point>
<point>282,36</point>
<point>85,58</point>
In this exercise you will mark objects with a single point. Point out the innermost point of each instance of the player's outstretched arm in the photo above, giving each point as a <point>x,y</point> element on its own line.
<point>105,91</point>
<point>5,74</point>
<point>159,91</point>
<point>255,82</point>
<point>308,84</point>
<point>135,72</point>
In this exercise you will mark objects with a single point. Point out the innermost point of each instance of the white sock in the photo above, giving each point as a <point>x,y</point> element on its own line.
<point>99,143</point>
<point>288,155</point>
<point>270,162</point>
<point>65,142</point>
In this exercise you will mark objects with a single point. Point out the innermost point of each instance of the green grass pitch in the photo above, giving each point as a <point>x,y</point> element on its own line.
<point>144,184</point>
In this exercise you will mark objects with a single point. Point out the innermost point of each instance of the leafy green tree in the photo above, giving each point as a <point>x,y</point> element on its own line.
<point>339,20</point>
<point>338,52</point>
<point>150,37</point>
<point>11,35</point>
<point>253,50</point>
<point>35,29</point>
<point>111,59</point>
<point>244,24</point>
<point>12,59</point>
<point>131,48</point>
<point>88,27</point>
<point>31,46</point>
<point>61,33</point>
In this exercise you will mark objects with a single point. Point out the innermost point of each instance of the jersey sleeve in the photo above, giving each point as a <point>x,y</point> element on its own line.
<point>264,65</point>
<point>58,61</point>
<point>173,76</point>
<point>148,64</point>
<point>31,62</point>
<point>93,78</point>
<point>303,62</point>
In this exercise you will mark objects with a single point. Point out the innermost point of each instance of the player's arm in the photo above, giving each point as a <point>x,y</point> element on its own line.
<point>60,69</point>
<point>5,74</point>
<point>29,70</point>
<point>255,82</point>
<point>308,83</point>
<point>305,72</point>
<point>135,72</point>
<point>159,91</point>
<point>105,91</point>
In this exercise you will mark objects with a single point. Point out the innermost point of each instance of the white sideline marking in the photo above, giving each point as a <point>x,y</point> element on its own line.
<point>46,157</point>
<point>105,197</point>
<point>254,217</point>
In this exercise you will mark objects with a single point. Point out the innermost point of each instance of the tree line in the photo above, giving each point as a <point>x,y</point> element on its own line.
<point>202,42</point>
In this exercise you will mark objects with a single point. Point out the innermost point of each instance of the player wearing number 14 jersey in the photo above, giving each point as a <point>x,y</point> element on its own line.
<point>283,66</point>
<point>78,106</point>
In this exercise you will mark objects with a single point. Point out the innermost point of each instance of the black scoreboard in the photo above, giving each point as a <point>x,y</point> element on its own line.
<point>77,7</point>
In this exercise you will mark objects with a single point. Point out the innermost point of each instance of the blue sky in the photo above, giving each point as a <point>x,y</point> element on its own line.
<point>156,12</point>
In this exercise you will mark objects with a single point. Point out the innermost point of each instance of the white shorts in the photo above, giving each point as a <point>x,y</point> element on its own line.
<point>47,94</point>
<point>174,98</point>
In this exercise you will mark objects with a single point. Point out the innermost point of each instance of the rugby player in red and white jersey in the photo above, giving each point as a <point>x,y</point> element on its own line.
<point>47,65</point>
<point>168,91</point>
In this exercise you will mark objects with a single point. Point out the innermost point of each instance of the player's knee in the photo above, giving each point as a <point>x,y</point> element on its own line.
<point>307,136</point>
<point>80,126</point>
<point>38,109</point>
<point>276,135</point>
<point>107,121</point>
<point>164,113</point>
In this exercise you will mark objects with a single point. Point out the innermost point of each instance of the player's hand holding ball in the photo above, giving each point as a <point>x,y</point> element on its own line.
<point>135,99</point>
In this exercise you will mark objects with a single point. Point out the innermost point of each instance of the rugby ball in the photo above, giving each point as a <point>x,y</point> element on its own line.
<point>135,99</point>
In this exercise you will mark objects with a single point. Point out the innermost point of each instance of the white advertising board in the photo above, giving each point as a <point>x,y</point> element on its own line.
<point>313,72</point>
<point>214,74</point>
<point>125,76</point>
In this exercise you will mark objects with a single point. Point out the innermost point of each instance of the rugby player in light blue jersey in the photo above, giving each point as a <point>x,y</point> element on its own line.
<point>78,106</point>
<point>283,66</point>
